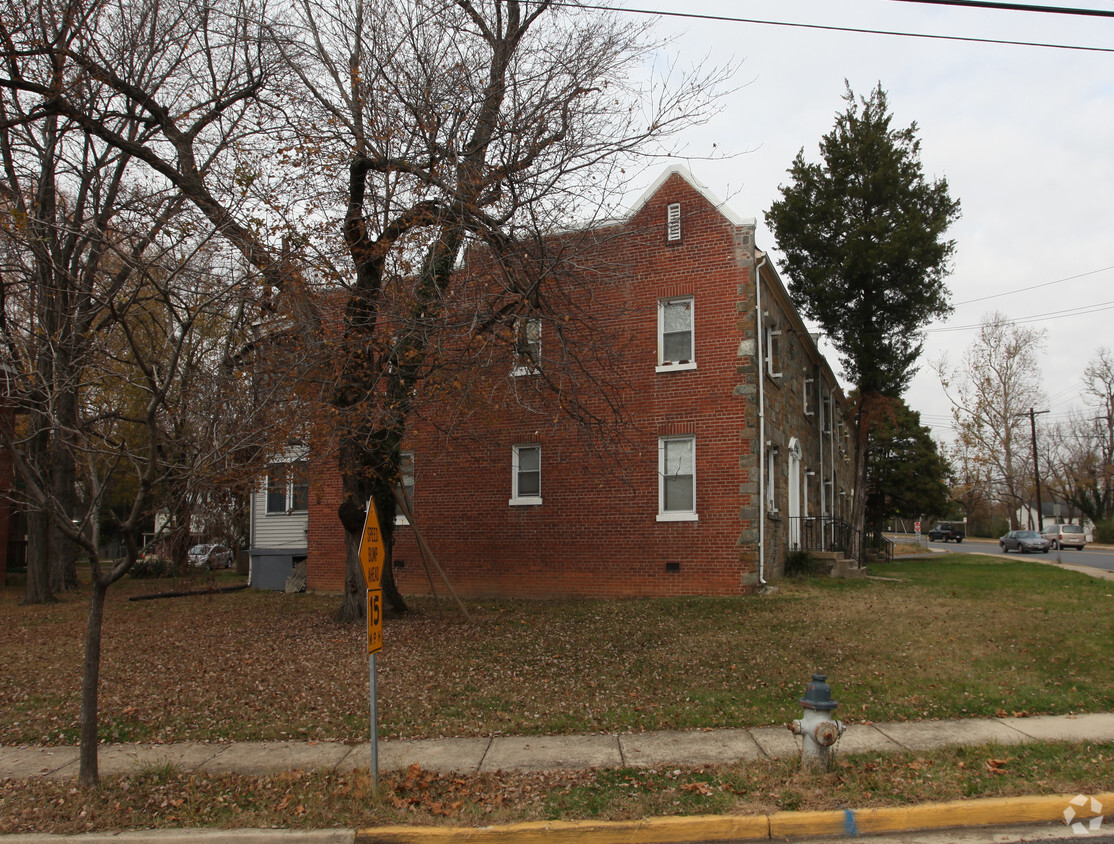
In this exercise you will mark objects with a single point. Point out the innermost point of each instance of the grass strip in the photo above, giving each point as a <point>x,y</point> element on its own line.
<point>165,798</point>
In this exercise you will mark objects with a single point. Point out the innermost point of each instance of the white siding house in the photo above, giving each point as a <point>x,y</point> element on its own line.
<point>280,520</point>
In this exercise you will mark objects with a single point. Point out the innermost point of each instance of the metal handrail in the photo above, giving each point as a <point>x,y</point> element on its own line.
<point>827,533</point>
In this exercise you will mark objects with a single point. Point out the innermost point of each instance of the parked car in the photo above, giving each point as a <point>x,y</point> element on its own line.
<point>946,531</point>
<point>1060,535</point>
<point>211,556</point>
<point>1024,541</point>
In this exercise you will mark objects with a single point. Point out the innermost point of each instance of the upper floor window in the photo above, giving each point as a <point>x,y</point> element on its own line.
<point>527,346</point>
<point>288,487</point>
<point>810,397</point>
<point>675,334</point>
<point>677,479</point>
<point>773,350</point>
<point>526,474</point>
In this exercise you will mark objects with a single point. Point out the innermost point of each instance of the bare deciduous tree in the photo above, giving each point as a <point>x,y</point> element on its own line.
<point>992,391</point>
<point>417,129</point>
<point>1082,449</point>
<point>486,124</point>
<point>113,312</point>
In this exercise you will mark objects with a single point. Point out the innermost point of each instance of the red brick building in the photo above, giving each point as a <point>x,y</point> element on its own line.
<point>735,451</point>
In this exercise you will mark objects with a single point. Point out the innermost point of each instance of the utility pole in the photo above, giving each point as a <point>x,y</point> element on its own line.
<point>1036,467</point>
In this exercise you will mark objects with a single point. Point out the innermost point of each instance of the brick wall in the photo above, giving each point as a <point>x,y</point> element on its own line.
<point>597,530</point>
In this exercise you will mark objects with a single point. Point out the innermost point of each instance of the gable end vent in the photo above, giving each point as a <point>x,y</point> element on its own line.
<point>673,221</point>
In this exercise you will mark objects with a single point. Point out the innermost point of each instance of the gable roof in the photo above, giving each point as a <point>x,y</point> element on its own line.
<point>713,200</point>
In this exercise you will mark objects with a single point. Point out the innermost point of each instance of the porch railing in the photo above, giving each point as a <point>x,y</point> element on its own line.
<point>816,533</point>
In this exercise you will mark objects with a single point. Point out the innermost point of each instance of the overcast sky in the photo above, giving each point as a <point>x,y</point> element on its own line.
<point>1024,136</point>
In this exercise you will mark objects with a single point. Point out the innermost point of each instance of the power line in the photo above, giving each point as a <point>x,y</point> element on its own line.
<point>1070,312</point>
<point>1014,7</point>
<point>827,28</point>
<point>1032,287</point>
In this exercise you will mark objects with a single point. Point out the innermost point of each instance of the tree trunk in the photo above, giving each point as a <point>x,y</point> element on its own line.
<point>352,513</point>
<point>38,559</point>
<point>871,403</point>
<point>90,680</point>
<point>63,481</point>
<point>63,561</point>
<point>38,523</point>
<point>858,502</point>
<point>353,604</point>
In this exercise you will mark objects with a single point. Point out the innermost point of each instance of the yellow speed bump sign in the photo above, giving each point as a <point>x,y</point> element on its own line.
<point>372,554</point>
<point>372,549</point>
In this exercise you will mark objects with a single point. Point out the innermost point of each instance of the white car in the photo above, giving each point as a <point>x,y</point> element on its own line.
<point>211,556</point>
<point>1071,536</point>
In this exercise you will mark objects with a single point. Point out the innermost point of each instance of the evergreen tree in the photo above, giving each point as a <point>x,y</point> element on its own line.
<point>906,475</point>
<point>862,235</point>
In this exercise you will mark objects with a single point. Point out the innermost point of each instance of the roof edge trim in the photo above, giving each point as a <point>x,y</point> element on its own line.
<point>686,174</point>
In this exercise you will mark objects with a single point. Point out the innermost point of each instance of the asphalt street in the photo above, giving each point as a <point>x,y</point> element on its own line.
<point>1100,557</point>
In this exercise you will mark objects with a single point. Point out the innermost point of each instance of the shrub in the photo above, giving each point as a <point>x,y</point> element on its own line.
<point>800,564</point>
<point>998,527</point>
<point>151,565</point>
<point>1104,532</point>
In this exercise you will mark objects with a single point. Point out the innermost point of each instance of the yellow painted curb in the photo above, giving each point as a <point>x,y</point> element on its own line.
<point>981,812</point>
<point>648,831</point>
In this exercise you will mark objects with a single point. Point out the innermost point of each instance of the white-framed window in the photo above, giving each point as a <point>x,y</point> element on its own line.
<point>527,346</point>
<point>406,484</point>
<point>526,474</point>
<point>771,478</point>
<point>288,487</point>
<point>809,398</point>
<point>773,350</point>
<point>675,334</point>
<point>676,479</point>
<point>673,222</point>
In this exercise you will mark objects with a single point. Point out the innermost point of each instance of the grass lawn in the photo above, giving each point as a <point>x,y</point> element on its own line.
<point>952,636</point>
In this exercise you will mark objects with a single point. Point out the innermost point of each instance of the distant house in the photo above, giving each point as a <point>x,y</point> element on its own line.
<point>279,519</point>
<point>737,451</point>
<point>1054,513</point>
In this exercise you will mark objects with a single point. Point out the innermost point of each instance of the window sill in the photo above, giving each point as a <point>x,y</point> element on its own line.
<point>675,367</point>
<point>678,517</point>
<point>401,521</point>
<point>524,502</point>
<point>520,371</point>
<point>286,512</point>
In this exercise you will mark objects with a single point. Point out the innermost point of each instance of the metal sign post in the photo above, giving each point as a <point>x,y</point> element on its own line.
<point>372,554</point>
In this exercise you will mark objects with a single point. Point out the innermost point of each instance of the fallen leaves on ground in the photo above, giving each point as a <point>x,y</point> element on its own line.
<point>165,798</point>
<point>954,638</point>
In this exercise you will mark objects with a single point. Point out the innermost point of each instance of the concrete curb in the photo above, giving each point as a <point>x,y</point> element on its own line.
<point>957,813</point>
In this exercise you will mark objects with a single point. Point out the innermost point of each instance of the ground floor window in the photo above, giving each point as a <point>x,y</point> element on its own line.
<point>526,474</point>
<point>288,487</point>
<point>676,478</point>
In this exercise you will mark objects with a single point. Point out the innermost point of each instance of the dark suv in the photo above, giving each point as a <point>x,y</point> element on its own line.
<point>946,531</point>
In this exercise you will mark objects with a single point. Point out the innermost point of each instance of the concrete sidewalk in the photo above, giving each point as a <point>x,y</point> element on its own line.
<point>536,753</point>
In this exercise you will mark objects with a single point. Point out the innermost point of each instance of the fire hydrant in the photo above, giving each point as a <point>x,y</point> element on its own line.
<point>818,730</point>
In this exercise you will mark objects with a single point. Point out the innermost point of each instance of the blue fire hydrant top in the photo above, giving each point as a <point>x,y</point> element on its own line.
<point>818,694</point>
